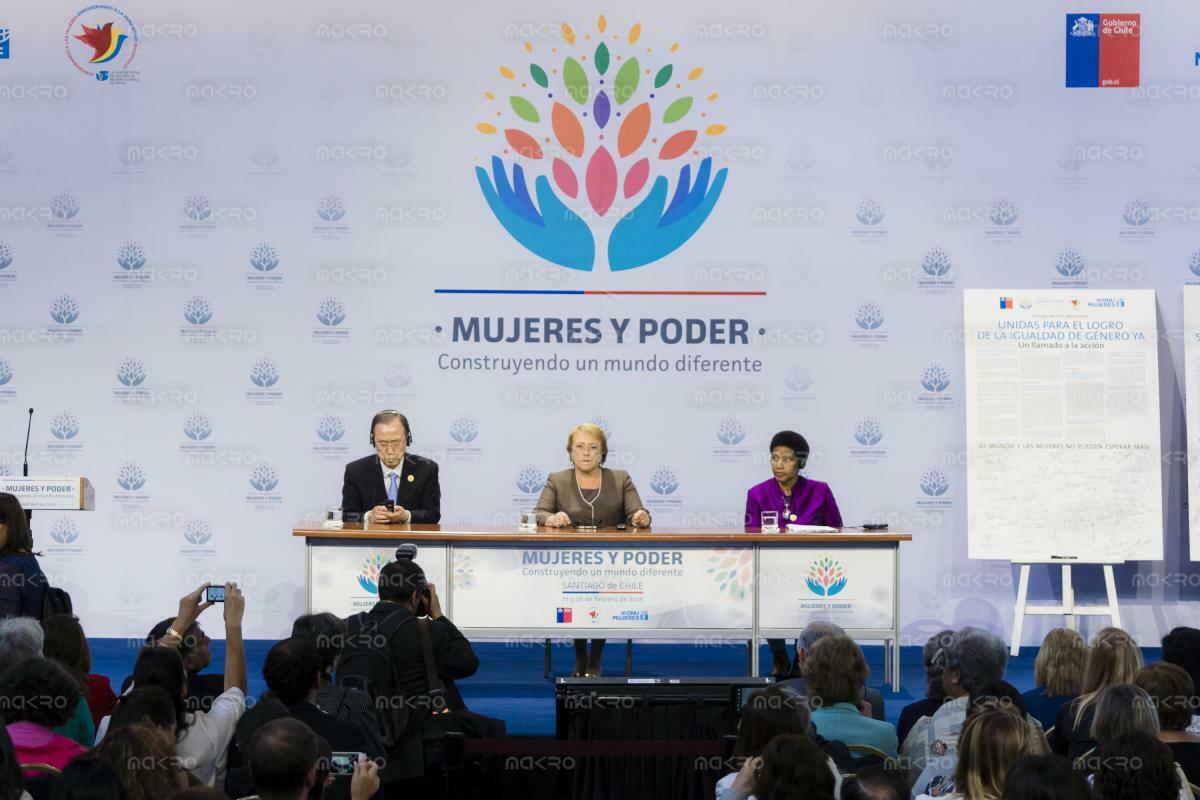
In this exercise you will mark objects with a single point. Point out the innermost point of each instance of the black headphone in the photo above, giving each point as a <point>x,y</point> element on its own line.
<point>386,414</point>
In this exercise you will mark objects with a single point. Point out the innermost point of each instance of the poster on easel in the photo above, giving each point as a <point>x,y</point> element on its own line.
<point>1191,393</point>
<point>1063,439</point>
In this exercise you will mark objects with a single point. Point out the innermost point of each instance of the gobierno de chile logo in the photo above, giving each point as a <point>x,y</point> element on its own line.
<point>826,576</point>
<point>607,123</point>
<point>100,35</point>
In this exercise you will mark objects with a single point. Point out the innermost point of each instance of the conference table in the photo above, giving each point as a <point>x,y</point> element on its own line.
<point>710,587</point>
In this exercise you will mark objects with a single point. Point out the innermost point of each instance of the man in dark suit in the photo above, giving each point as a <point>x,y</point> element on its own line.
<point>409,481</point>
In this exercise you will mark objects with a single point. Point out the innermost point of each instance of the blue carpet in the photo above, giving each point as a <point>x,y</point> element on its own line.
<point>509,684</point>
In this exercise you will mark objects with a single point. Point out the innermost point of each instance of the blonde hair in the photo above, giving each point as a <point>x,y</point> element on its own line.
<point>993,736</point>
<point>593,430</point>
<point>1060,662</point>
<point>1114,658</point>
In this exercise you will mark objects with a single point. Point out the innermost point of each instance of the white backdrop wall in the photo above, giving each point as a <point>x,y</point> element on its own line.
<point>179,232</point>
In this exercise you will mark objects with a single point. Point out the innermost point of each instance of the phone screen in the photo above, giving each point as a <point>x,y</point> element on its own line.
<point>214,594</point>
<point>342,763</point>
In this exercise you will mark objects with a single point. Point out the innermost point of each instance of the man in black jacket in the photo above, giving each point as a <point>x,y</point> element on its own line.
<point>408,481</point>
<point>404,590</point>
<point>404,597</point>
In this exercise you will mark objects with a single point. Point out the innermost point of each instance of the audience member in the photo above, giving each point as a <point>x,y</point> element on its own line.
<point>88,778</point>
<point>1005,693</point>
<point>11,781</point>
<point>283,760</point>
<point>203,736</point>
<point>812,633</point>
<point>1119,709</point>
<point>292,671</point>
<point>194,646</point>
<point>1171,689</point>
<point>836,672</point>
<point>1137,765</point>
<point>876,782</point>
<point>935,692</point>
<point>1181,647</point>
<point>1045,778</point>
<point>790,768</point>
<point>1114,658</point>
<point>1057,673</point>
<point>35,697</point>
<point>974,659</point>
<point>146,705</point>
<point>993,737</point>
<point>66,643</point>
<point>775,712</point>
<point>145,759</point>
<point>21,639</point>
<point>328,633</point>
<point>22,582</point>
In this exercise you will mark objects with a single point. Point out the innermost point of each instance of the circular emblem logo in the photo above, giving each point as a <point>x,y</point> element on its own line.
<point>101,41</point>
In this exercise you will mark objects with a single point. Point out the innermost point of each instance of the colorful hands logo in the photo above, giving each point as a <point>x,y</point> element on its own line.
<point>826,577</point>
<point>368,576</point>
<point>604,115</point>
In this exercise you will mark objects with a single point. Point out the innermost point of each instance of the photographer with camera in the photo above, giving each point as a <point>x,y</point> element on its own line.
<point>406,655</point>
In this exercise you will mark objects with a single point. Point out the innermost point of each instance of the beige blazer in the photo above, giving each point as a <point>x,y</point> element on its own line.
<point>616,504</point>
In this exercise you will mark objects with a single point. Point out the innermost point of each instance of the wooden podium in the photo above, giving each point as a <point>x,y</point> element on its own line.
<point>51,494</point>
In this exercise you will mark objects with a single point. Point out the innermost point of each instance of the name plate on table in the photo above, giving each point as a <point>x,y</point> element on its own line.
<point>51,494</point>
<point>852,587</point>
<point>578,587</point>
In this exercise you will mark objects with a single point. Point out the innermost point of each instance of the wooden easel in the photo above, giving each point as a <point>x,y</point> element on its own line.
<point>1067,607</point>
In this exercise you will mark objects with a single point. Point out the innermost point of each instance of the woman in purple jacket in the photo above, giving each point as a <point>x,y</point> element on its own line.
<point>798,500</point>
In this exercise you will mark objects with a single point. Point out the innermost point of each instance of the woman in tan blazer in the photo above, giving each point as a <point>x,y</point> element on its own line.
<point>589,494</point>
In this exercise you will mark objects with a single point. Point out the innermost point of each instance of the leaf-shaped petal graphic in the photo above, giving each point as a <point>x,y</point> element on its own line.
<point>601,110</point>
<point>525,109</point>
<point>635,179</point>
<point>677,110</point>
<point>567,129</point>
<point>539,76</point>
<point>576,81</point>
<point>626,81</point>
<point>601,181</point>
<point>601,58</point>
<point>677,145</point>
<point>634,129</point>
<point>564,176</point>
<point>663,75</point>
<point>522,143</point>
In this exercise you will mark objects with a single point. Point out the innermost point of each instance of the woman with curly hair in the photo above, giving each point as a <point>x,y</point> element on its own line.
<point>40,697</point>
<point>836,672</point>
<point>143,756</point>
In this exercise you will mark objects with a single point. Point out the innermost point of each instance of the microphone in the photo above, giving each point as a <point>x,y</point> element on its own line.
<point>28,428</point>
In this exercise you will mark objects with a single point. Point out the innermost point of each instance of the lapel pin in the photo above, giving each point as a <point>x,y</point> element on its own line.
<point>411,479</point>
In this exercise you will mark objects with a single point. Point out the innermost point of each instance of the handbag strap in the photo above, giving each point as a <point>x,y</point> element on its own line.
<point>436,687</point>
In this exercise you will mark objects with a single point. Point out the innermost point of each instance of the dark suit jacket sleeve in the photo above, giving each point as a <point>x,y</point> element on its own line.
<point>352,499</point>
<point>427,509</point>
<point>453,653</point>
